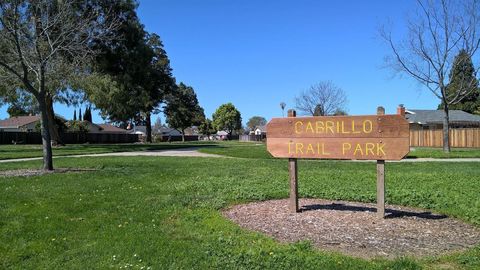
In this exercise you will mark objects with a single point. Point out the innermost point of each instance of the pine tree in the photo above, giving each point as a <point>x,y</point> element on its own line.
<point>80,114</point>
<point>87,116</point>
<point>462,75</point>
<point>74,115</point>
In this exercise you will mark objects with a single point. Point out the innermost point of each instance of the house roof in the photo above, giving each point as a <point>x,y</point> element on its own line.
<point>110,128</point>
<point>142,130</point>
<point>166,131</point>
<point>436,116</point>
<point>18,121</point>
<point>262,128</point>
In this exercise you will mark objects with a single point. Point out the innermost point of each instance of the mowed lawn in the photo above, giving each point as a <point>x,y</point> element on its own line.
<point>165,212</point>
<point>227,148</point>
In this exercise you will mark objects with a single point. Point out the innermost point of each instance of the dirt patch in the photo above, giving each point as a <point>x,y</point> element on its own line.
<point>354,229</point>
<point>34,172</point>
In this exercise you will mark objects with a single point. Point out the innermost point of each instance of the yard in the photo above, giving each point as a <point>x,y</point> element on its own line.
<point>228,148</point>
<point>164,212</point>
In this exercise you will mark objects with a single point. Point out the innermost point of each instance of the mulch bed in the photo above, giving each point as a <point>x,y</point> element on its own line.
<point>354,228</point>
<point>34,172</point>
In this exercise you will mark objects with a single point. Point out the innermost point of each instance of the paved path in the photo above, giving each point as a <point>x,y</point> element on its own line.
<point>193,152</point>
<point>184,152</point>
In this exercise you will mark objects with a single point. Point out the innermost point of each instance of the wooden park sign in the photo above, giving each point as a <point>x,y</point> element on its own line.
<point>371,137</point>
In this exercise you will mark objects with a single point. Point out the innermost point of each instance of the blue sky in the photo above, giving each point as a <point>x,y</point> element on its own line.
<point>257,54</point>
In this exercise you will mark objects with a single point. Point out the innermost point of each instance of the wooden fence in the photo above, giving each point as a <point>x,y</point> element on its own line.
<point>68,138</point>
<point>459,137</point>
<point>252,138</point>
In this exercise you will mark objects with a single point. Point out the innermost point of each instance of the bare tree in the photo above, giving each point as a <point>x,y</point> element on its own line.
<point>282,106</point>
<point>437,32</point>
<point>42,44</point>
<point>323,98</point>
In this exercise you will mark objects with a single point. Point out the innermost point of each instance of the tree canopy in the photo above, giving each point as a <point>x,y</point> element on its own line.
<point>256,121</point>
<point>182,109</point>
<point>462,76</point>
<point>206,127</point>
<point>227,118</point>
<point>43,45</point>
<point>323,98</point>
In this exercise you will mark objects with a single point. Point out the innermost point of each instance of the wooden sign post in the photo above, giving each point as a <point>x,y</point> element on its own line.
<point>381,178</point>
<point>371,137</point>
<point>293,171</point>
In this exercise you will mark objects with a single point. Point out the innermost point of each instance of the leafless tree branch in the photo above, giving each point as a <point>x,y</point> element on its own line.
<point>323,98</point>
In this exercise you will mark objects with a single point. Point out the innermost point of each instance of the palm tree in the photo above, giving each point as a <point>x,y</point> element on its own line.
<point>283,105</point>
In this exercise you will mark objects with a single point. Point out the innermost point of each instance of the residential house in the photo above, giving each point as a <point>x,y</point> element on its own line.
<point>110,129</point>
<point>433,119</point>
<point>260,130</point>
<point>192,131</point>
<point>222,135</point>
<point>20,123</point>
<point>166,131</point>
<point>138,130</point>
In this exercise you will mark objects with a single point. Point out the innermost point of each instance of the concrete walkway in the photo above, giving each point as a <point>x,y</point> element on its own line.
<point>193,152</point>
<point>184,152</point>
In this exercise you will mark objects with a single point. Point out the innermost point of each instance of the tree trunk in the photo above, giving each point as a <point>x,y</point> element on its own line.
<point>446,128</point>
<point>149,127</point>
<point>53,129</point>
<point>46,139</point>
<point>183,135</point>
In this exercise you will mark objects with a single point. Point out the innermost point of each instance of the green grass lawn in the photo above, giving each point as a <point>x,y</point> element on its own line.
<point>424,152</point>
<point>164,213</point>
<point>229,148</point>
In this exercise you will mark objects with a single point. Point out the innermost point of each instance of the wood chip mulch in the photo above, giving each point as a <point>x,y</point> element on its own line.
<point>354,228</point>
<point>35,172</point>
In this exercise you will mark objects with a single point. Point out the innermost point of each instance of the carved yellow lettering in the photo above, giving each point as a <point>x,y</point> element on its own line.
<point>329,126</point>
<point>369,148</point>
<point>358,148</point>
<point>290,148</point>
<point>338,127</point>
<point>319,127</point>
<point>380,149</point>
<point>310,148</point>
<point>367,126</point>
<point>353,128</point>
<point>299,148</point>
<point>309,128</point>
<point>298,128</point>
<point>346,147</point>
<point>325,153</point>
<point>343,129</point>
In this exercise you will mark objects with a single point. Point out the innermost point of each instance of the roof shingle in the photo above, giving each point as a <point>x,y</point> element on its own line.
<point>18,121</point>
<point>436,116</point>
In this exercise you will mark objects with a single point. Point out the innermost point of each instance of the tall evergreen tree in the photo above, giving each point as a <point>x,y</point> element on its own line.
<point>87,116</point>
<point>182,109</point>
<point>133,74</point>
<point>75,115</point>
<point>462,76</point>
<point>80,114</point>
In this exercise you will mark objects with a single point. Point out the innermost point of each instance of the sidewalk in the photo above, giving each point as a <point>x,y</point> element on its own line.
<point>185,152</point>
